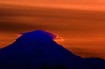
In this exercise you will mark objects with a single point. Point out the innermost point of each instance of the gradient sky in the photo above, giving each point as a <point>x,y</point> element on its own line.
<point>71,4</point>
<point>81,23</point>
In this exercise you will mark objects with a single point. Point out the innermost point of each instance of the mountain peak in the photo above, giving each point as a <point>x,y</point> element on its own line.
<point>38,50</point>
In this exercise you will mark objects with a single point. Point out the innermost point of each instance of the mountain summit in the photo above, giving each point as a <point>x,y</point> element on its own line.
<point>38,50</point>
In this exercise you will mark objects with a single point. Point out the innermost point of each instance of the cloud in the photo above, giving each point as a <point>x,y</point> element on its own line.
<point>65,20</point>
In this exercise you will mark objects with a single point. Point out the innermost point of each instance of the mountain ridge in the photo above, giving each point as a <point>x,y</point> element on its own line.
<point>37,50</point>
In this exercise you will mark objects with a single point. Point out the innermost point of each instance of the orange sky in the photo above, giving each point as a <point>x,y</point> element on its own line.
<point>69,4</point>
<point>81,24</point>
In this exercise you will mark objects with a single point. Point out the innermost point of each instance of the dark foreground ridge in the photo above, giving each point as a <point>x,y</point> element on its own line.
<point>37,50</point>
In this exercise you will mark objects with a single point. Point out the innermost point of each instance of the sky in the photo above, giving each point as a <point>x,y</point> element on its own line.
<point>81,23</point>
<point>69,4</point>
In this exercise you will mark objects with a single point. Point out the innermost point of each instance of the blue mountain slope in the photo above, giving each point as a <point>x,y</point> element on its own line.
<point>37,50</point>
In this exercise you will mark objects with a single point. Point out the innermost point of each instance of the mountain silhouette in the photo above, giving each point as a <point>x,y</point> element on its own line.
<point>38,50</point>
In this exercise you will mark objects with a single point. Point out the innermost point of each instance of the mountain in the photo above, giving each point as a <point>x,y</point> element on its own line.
<point>37,50</point>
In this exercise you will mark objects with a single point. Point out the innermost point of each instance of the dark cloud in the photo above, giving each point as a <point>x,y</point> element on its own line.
<point>18,27</point>
<point>23,18</point>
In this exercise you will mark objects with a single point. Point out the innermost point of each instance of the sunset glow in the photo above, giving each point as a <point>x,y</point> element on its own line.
<point>59,39</point>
